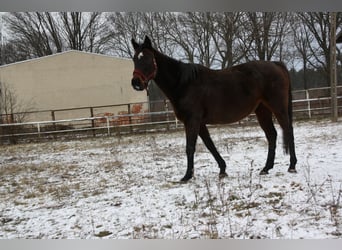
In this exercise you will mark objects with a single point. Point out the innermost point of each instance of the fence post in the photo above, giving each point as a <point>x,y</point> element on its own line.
<point>307,95</point>
<point>129,117</point>
<point>108,126</point>
<point>92,121</point>
<point>54,124</point>
<point>53,115</point>
<point>38,129</point>
<point>167,114</point>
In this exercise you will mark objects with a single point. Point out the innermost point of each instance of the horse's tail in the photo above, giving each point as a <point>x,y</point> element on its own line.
<point>286,136</point>
<point>290,113</point>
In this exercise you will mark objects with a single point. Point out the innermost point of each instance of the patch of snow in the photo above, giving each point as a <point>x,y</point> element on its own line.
<point>127,187</point>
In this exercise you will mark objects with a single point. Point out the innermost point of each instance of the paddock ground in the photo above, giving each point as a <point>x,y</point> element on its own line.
<point>127,187</point>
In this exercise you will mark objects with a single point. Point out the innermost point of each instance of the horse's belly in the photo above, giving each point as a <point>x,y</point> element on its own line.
<point>228,114</point>
<point>224,119</point>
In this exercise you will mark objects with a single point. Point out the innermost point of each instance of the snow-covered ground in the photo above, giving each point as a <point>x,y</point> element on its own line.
<point>128,187</point>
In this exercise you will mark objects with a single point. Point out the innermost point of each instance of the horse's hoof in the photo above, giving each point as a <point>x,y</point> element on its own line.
<point>222,175</point>
<point>263,172</point>
<point>292,170</point>
<point>185,179</point>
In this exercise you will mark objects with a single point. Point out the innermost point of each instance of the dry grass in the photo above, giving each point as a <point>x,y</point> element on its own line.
<point>50,180</point>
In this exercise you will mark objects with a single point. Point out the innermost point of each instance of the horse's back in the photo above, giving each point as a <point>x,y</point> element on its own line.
<point>272,77</point>
<point>266,69</point>
<point>242,88</point>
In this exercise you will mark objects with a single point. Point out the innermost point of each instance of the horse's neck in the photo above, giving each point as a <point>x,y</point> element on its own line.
<point>168,74</point>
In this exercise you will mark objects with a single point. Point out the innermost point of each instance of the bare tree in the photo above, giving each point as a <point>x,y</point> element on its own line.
<point>318,27</point>
<point>122,28</point>
<point>191,33</point>
<point>11,108</point>
<point>226,28</point>
<point>201,29</point>
<point>157,25</point>
<point>180,37</point>
<point>36,34</point>
<point>264,32</point>
<point>83,31</point>
<point>125,26</point>
<point>186,36</point>
<point>28,34</point>
<point>302,39</point>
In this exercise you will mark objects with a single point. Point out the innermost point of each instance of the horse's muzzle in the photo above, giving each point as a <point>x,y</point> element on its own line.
<point>137,84</point>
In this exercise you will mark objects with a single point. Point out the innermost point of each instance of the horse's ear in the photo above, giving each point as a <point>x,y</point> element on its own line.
<point>147,43</point>
<point>135,44</point>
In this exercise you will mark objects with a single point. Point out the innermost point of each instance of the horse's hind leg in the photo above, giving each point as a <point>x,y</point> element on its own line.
<point>285,123</point>
<point>264,116</point>
<point>204,134</point>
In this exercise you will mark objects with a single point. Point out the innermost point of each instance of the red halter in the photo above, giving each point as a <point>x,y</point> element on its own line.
<point>145,79</point>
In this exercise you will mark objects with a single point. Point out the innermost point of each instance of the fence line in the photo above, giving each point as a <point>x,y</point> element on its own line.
<point>128,121</point>
<point>107,125</point>
<point>315,102</point>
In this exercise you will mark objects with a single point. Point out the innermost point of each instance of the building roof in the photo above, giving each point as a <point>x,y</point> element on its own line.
<point>63,53</point>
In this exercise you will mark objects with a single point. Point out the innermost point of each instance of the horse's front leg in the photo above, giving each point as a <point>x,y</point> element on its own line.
<point>204,134</point>
<point>191,130</point>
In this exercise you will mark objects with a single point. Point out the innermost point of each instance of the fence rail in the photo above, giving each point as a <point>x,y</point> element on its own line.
<point>309,104</point>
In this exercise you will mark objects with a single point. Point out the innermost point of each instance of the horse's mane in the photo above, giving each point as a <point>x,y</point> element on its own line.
<point>189,72</point>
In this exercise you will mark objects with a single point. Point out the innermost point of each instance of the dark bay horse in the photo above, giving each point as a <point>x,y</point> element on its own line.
<point>201,96</point>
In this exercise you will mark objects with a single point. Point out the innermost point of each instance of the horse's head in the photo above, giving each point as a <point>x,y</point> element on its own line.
<point>145,66</point>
